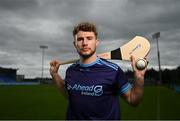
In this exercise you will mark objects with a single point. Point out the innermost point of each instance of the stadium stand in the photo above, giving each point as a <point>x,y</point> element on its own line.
<point>7,75</point>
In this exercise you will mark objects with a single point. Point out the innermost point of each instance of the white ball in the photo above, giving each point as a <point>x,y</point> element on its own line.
<point>141,64</point>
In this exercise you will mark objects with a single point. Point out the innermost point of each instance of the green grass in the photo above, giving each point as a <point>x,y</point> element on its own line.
<point>45,102</point>
<point>158,103</point>
<point>31,102</point>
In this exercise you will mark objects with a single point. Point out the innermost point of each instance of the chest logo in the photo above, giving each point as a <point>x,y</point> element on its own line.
<point>93,90</point>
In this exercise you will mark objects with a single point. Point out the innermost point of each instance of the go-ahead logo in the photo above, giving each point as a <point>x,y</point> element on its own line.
<point>94,90</point>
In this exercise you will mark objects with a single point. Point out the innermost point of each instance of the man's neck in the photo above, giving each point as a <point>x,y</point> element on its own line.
<point>89,60</point>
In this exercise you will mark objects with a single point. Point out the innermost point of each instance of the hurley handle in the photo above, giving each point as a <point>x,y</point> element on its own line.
<point>68,62</point>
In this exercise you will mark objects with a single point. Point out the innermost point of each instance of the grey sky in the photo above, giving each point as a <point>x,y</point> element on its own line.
<point>27,24</point>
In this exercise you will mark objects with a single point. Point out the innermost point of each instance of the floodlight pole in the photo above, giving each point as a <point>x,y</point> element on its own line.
<point>43,47</point>
<point>156,36</point>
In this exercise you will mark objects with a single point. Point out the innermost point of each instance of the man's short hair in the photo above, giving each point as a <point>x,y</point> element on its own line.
<point>85,26</point>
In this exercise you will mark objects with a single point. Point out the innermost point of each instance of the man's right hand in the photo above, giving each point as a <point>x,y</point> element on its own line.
<point>54,67</point>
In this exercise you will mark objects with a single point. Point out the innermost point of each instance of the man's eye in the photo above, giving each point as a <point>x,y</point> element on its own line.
<point>89,38</point>
<point>79,39</point>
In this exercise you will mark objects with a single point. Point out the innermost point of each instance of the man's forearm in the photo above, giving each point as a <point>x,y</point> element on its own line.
<point>137,91</point>
<point>60,84</point>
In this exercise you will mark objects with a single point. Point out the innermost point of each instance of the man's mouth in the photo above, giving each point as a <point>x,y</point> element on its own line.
<point>85,49</point>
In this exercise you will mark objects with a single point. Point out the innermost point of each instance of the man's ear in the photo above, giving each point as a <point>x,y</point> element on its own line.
<point>74,43</point>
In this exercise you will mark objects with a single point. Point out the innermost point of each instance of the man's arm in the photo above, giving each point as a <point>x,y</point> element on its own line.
<point>135,94</point>
<point>60,84</point>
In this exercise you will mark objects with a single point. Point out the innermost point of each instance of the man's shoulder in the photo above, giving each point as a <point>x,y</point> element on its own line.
<point>73,65</point>
<point>109,64</point>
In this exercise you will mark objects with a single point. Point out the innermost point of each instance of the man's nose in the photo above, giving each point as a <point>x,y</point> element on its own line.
<point>85,42</point>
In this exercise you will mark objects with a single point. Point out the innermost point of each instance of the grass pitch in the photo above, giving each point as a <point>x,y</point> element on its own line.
<point>44,102</point>
<point>158,103</point>
<point>31,102</point>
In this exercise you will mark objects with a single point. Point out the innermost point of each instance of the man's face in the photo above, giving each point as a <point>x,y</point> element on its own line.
<point>85,43</point>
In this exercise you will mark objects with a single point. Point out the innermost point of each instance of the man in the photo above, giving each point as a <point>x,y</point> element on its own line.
<point>93,85</point>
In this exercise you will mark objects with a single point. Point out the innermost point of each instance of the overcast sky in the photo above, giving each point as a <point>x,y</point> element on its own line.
<point>27,24</point>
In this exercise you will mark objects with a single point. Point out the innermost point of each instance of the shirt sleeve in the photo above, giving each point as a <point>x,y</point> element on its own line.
<point>123,85</point>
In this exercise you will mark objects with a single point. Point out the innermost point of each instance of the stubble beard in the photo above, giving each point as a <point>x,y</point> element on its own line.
<point>86,56</point>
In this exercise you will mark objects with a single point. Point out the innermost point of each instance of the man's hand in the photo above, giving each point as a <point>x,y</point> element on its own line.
<point>54,67</point>
<point>138,74</point>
